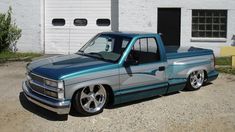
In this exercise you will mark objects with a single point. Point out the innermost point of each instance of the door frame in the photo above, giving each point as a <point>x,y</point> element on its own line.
<point>180,32</point>
<point>130,93</point>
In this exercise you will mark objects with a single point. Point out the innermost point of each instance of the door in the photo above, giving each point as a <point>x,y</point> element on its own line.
<point>69,24</point>
<point>144,73</point>
<point>169,25</point>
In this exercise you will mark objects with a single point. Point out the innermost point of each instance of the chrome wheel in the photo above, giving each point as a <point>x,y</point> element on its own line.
<point>197,79</point>
<point>93,98</point>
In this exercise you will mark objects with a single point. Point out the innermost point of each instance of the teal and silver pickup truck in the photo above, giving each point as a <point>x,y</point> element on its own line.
<point>113,68</point>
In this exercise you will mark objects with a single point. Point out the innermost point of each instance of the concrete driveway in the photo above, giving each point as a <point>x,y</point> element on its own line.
<point>211,108</point>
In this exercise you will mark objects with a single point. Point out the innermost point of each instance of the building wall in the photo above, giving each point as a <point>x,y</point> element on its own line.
<point>141,15</point>
<point>27,15</point>
<point>69,38</point>
<point>126,15</point>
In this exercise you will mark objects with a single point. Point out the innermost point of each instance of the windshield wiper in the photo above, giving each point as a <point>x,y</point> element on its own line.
<point>81,51</point>
<point>93,54</point>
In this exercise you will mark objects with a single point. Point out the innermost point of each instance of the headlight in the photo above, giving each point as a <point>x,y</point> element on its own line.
<point>59,85</point>
<point>51,93</point>
<point>61,90</point>
<point>51,83</point>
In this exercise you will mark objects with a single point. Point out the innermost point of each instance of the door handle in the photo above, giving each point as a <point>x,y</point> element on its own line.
<point>161,68</point>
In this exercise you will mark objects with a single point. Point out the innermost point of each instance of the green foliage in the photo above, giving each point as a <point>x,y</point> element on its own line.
<point>223,65</point>
<point>10,56</point>
<point>223,61</point>
<point>228,70</point>
<point>9,32</point>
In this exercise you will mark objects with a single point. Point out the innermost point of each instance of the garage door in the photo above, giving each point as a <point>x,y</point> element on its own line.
<point>71,23</point>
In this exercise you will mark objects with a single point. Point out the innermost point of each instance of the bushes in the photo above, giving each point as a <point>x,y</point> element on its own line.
<point>9,32</point>
<point>223,64</point>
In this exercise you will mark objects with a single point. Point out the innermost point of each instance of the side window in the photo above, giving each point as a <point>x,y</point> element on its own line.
<point>145,50</point>
<point>58,22</point>
<point>125,42</point>
<point>137,46</point>
<point>152,46</point>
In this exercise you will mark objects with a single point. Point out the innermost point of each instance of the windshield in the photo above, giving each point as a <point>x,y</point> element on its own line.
<point>106,47</point>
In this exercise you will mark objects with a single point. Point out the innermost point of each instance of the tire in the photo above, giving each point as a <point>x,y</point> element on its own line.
<point>90,100</point>
<point>195,80</point>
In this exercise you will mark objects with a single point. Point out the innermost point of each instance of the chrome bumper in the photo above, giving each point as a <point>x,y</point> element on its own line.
<point>60,107</point>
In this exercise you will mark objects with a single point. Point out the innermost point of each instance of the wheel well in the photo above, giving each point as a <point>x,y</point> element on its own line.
<point>205,75</point>
<point>109,91</point>
<point>110,95</point>
<point>205,72</point>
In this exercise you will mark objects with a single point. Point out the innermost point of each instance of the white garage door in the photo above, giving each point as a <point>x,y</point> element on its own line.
<point>71,23</point>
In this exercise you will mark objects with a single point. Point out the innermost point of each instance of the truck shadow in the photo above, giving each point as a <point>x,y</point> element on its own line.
<point>140,101</point>
<point>40,111</point>
<point>75,114</point>
<point>55,117</point>
<point>152,98</point>
<point>203,86</point>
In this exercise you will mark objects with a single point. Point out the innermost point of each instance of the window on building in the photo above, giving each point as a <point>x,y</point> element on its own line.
<point>58,22</point>
<point>209,23</point>
<point>80,22</point>
<point>145,50</point>
<point>103,22</point>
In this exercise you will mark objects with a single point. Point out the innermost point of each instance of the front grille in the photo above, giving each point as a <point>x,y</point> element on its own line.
<point>40,90</point>
<point>37,88</point>
<point>37,85</point>
<point>36,78</point>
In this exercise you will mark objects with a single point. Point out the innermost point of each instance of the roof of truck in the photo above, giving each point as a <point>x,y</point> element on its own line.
<point>129,33</point>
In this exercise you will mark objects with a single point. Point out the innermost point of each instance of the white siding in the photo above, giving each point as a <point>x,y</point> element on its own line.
<point>69,38</point>
<point>141,15</point>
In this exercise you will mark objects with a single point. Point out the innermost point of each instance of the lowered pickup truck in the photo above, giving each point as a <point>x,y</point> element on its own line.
<point>113,68</point>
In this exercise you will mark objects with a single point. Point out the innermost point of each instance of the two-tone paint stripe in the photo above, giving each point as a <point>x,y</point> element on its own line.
<point>142,88</point>
<point>188,54</point>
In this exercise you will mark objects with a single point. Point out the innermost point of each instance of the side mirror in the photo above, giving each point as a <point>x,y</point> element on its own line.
<point>130,63</point>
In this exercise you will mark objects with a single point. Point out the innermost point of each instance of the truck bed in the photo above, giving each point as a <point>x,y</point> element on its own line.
<point>173,52</point>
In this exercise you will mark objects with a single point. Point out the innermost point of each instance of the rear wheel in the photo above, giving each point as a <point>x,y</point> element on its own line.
<point>195,80</point>
<point>90,100</point>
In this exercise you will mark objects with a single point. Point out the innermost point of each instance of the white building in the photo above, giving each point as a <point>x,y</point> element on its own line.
<point>63,26</point>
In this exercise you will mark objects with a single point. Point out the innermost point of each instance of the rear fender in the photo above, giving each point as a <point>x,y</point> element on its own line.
<point>204,68</point>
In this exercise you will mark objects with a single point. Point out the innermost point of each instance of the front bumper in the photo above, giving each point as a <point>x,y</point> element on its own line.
<point>58,106</point>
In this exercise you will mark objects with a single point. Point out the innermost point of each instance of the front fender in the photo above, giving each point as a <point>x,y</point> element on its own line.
<point>71,89</point>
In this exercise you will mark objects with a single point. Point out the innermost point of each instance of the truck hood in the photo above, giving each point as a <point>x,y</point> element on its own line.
<point>62,65</point>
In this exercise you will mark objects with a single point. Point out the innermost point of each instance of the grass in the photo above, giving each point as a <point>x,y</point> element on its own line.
<point>10,56</point>
<point>228,70</point>
<point>224,65</point>
<point>223,61</point>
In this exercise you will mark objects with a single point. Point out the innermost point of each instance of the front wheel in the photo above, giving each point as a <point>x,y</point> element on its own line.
<point>90,100</point>
<point>195,80</point>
